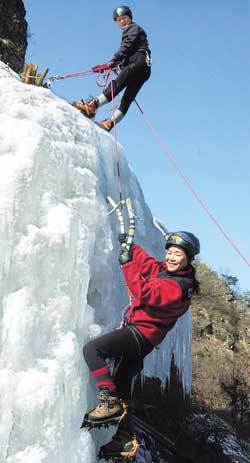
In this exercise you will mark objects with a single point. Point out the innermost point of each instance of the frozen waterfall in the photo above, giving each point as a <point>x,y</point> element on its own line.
<point>60,278</point>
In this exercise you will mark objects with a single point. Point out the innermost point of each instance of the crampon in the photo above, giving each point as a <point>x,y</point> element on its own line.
<point>110,411</point>
<point>88,109</point>
<point>105,423</point>
<point>123,447</point>
<point>128,454</point>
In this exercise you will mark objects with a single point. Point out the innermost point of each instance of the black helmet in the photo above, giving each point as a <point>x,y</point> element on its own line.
<point>122,11</point>
<point>185,240</point>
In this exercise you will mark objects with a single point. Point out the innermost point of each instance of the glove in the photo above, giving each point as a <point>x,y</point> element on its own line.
<point>122,238</point>
<point>103,67</point>
<point>100,68</point>
<point>125,256</point>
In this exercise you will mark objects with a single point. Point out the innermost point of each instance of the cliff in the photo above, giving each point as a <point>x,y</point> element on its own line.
<point>13,33</point>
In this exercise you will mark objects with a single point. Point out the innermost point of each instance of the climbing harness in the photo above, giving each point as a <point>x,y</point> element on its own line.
<point>148,60</point>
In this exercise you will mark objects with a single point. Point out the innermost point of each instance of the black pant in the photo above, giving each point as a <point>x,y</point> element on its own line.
<point>132,77</point>
<point>127,347</point>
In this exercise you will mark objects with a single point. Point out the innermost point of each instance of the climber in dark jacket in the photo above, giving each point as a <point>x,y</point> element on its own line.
<point>161,293</point>
<point>134,60</point>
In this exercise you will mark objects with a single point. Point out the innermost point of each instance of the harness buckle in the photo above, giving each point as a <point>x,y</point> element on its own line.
<point>148,59</point>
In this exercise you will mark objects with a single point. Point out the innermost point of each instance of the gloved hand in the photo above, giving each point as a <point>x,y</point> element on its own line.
<point>125,256</point>
<point>103,67</point>
<point>122,238</point>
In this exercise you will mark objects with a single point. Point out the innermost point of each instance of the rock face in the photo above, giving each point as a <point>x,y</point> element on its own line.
<point>206,438</point>
<point>221,347</point>
<point>13,33</point>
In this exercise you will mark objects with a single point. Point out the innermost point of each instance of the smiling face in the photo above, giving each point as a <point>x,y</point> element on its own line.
<point>123,21</point>
<point>176,259</point>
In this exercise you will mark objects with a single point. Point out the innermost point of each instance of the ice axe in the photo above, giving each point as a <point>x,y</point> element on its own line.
<point>119,207</point>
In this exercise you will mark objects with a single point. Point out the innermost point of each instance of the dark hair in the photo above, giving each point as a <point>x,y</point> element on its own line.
<point>196,282</point>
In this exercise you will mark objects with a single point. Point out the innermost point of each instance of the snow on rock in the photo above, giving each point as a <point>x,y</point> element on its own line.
<point>60,278</point>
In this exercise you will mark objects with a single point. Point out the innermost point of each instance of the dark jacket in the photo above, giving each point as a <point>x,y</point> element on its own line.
<point>160,297</point>
<point>134,40</point>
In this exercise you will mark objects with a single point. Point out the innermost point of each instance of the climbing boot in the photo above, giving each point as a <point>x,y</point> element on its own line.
<point>123,447</point>
<point>107,124</point>
<point>87,109</point>
<point>110,410</point>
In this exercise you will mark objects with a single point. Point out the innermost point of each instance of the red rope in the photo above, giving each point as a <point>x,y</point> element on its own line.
<point>117,155</point>
<point>76,74</point>
<point>190,186</point>
<point>105,78</point>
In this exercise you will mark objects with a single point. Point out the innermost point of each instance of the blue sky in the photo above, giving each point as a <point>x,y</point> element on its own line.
<point>198,99</point>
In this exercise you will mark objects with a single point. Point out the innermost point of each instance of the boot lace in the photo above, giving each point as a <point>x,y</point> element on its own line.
<point>106,400</point>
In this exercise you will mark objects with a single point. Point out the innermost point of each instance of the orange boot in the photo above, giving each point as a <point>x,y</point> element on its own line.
<point>111,410</point>
<point>87,109</point>
<point>107,124</point>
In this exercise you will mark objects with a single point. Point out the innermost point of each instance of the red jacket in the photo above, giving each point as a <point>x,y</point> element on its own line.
<point>160,297</point>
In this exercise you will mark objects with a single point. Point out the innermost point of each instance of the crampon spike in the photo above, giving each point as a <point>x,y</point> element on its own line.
<point>123,457</point>
<point>91,424</point>
<point>116,459</point>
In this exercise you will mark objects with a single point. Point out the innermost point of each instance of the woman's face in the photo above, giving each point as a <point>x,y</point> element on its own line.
<point>123,21</point>
<point>175,259</point>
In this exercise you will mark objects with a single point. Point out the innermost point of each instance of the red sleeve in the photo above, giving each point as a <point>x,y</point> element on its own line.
<point>147,266</point>
<point>152,292</point>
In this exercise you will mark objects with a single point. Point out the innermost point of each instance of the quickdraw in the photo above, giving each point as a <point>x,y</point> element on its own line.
<point>118,207</point>
<point>128,237</point>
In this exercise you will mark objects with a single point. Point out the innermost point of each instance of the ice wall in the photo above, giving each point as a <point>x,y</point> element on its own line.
<point>60,278</point>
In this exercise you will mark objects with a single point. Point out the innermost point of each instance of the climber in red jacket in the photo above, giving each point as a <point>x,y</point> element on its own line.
<point>161,293</point>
